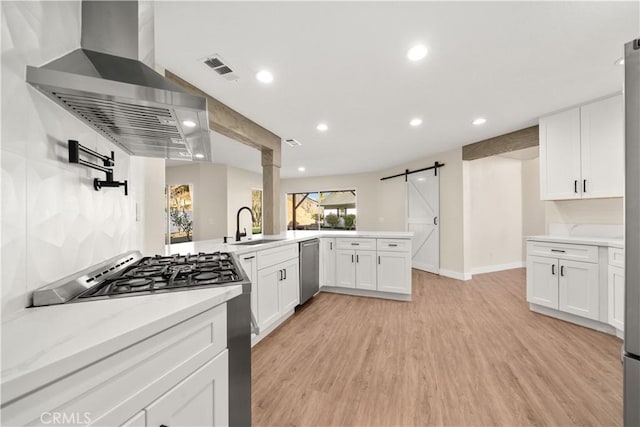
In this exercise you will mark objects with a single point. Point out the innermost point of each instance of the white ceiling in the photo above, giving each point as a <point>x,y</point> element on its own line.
<point>345,63</point>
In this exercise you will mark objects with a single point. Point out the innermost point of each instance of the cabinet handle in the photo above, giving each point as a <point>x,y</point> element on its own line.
<point>392,245</point>
<point>584,185</point>
<point>285,274</point>
<point>163,425</point>
<point>575,186</point>
<point>352,259</point>
<point>355,244</point>
<point>557,250</point>
<point>553,269</point>
<point>435,220</point>
<point>357,258</point>
<point>249,257</point>
<point>378,259</point>
<point>330,246</point>
<point>279,275</point>
<point>562,270</point>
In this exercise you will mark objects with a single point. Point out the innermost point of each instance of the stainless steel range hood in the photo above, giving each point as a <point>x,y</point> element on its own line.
<point>107,85</point>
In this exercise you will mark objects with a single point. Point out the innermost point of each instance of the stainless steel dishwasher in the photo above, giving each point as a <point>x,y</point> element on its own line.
<point>309,269</point>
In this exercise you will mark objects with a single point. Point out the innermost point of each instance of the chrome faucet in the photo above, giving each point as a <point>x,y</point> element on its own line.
<point>238,234</point>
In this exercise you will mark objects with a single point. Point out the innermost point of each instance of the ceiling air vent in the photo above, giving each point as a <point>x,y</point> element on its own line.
<point>292,142</point>
<point>218,65</point>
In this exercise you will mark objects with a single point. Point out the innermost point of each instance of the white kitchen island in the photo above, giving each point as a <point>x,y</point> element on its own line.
<point>110,362</point>
<point>363,263</point>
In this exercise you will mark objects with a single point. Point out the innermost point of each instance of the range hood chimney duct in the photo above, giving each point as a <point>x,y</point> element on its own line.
<point>124,29</point>
<point>109,83</point>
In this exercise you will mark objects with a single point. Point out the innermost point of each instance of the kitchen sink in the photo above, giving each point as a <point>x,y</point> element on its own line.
<point>256,242</point>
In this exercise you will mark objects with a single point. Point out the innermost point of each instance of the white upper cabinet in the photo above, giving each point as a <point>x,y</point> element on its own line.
<point>602,136</point>
<point>560,156</point>
<point>581,152</point>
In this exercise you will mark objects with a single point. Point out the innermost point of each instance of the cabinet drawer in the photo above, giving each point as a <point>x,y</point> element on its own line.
<point>274,256</point>
<point>616,257</point>
<point>394,245</point>
<point>346,243</point>
<point>583,253</point>
<point>114,389</point>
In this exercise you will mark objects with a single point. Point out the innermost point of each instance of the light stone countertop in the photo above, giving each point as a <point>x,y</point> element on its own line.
<point>284,239</point>
<point>582,240</point>
<point>43,344</point>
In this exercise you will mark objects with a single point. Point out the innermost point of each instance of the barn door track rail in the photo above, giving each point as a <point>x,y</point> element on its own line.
<point>407,172</point>
<point>107,163</point>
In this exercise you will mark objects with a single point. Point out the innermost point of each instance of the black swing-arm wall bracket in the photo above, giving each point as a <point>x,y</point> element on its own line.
<point>107,163</point>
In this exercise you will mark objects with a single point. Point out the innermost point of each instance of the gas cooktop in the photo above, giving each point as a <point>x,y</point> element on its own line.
<point>132,274</point>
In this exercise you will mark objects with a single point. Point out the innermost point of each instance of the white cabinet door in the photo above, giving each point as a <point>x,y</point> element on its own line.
<point>394,272</point>
<point>560,174</point>
<point>366,270</point>
<point>616,297</point>
<point>139,420</point>
<point>345,268</point>
<point>201,399</point>
<point>327,262</point>
<point>542,281</point>
<point>602,149</point>
<point>289,287</point>
<point>250,266</point>
<point>268,299</point>
<point>579,288</point>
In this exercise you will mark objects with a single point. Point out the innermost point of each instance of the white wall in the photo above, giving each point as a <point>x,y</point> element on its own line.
<point>209,196</point>
<point>533,209</point>
<point>240,184</point>
<point>589,211</point>
<point>150,174</point>
<point>495,212</point>
<point>53,222</point>
<point>218,192</point>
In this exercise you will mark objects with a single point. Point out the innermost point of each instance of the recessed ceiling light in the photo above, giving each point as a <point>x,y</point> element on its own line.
<point>199,156</point>
<point>301,169</point>
<point>322,127</point>
<point>415,122</point>
<point>417,52</point>
<point>479,121</point>
<point>189,123</point>
<point>619,61</point>
<point>264,76</point>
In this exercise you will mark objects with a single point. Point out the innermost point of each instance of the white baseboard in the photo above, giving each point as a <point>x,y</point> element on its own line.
<point>455,274</point>
<point>568,317</point>
<point>366,293</point>
<point>498,267</point>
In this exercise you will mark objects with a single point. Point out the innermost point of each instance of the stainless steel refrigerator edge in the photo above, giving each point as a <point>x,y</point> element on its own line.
<point>632,235</point>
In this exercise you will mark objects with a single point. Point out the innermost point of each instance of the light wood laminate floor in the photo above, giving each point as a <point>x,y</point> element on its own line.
<point>461,353</point>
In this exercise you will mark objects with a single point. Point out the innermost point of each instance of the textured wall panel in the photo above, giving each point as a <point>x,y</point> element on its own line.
<point>50,213</point>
